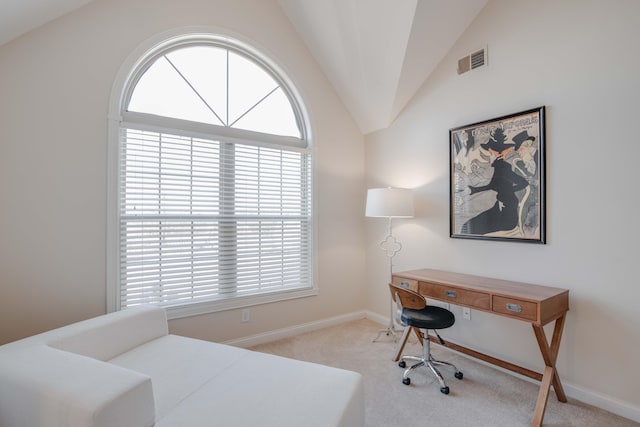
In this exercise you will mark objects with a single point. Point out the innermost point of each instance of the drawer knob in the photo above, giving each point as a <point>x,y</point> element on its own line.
<point>451,294</point>
<point>514,307</point>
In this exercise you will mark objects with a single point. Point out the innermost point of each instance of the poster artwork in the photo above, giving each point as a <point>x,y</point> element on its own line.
<point>497,178</point>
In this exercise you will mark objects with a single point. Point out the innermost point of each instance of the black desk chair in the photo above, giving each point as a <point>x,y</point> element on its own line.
<point>413,311</point>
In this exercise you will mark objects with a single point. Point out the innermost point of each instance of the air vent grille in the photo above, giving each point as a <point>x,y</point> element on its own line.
<point>477,59</point>
<point>471,62</point>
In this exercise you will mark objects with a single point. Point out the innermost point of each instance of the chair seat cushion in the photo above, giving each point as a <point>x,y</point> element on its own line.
<point>429,317</point>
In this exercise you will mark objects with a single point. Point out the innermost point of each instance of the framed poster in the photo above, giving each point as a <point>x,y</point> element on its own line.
<point>497,178</point>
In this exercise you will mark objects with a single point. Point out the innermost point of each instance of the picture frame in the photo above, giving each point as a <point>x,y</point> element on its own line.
<point>497,178</point>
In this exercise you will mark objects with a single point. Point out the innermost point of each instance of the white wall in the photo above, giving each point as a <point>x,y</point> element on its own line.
<point>55,84</point>
<point>581,60</point>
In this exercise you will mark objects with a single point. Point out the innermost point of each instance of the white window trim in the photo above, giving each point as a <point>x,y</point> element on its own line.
<point>116,119</point>
<point>153,123</point>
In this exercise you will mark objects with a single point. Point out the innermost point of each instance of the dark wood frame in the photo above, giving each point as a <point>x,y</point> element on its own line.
<point>497,178</point>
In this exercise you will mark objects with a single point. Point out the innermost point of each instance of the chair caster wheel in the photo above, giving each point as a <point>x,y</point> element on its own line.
<point>402,364</point>
<point>444,390</point>
<point>458,375</point>
<point>407,381</point>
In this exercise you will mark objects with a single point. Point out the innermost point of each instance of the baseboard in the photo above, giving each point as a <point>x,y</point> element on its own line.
<point>375,317</point>
<point>266,337</point>
<point>624,409</point>
<point>618,407</point>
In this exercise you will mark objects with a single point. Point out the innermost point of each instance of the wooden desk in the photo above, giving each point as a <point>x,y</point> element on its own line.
<point>535,304</point>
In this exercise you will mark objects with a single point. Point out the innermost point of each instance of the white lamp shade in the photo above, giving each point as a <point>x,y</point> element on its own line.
<point>389,202</point>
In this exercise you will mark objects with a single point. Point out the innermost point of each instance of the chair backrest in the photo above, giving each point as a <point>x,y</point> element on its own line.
<point>406,298</point>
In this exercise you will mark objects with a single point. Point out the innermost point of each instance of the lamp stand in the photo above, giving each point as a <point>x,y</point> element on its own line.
<point>391,246</point>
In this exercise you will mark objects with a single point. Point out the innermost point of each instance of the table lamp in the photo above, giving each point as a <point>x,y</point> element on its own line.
<point>389,203</point>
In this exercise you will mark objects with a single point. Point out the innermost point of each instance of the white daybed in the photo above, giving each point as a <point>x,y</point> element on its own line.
<point>124,369</point>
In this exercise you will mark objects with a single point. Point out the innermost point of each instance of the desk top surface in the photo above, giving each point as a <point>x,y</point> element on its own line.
<point>484,284</point>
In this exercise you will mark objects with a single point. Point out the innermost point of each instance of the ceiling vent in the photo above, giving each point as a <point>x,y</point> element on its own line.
<point>473,61</point>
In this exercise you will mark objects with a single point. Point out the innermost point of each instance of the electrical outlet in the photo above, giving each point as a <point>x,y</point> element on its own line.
<point>245,314</point>
<point>466,313</point>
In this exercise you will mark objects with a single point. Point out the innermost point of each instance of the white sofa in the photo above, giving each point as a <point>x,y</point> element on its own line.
<point>124,369</point>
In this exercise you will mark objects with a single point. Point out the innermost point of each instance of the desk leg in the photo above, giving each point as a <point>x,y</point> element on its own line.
<point>550,376</point>
<point>403,340</point>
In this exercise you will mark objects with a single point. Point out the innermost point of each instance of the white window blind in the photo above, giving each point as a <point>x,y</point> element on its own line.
<point>205,220</point>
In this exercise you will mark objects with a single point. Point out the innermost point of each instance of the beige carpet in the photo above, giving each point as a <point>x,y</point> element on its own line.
<point>485,397</point>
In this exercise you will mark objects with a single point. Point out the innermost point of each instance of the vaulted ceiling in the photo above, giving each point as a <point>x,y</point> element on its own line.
<point>376,53</point>
<point>20,16</point>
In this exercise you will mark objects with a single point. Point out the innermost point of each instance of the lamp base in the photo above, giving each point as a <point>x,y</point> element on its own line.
<point>390,331</point>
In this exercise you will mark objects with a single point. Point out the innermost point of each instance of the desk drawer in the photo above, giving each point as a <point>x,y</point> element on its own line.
<point>455,295</point>
<point>401,281</point>
<point>515,307</point>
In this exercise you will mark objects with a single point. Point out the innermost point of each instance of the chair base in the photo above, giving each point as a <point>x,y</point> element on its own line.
<point>427,360</point>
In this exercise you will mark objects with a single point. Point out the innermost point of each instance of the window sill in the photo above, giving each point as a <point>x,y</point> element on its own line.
<point>187,310</point>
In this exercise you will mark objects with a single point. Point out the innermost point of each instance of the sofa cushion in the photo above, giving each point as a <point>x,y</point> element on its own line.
<point>271,391</point>
<point>178,366</point>
<point>199,383</point>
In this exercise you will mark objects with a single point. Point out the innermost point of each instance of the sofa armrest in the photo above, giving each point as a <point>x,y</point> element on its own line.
<point>43,386</point>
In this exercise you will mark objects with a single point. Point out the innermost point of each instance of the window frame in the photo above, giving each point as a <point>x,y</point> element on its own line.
<point>130,73</point>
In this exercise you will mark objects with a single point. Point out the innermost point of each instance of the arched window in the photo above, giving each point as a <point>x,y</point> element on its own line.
<point>214,191</point>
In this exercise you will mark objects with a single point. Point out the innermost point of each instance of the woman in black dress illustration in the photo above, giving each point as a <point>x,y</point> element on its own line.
<point>503,216</point>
